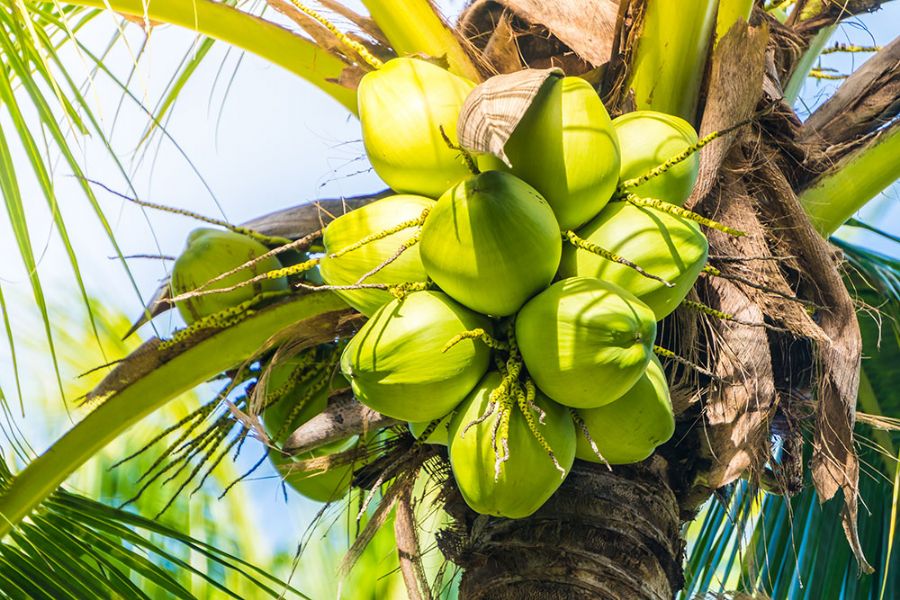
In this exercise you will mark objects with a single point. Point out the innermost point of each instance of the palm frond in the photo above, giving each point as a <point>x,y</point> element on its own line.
<point>76,547</point>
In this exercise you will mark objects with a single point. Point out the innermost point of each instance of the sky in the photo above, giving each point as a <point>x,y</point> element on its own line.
<point>245,138</point>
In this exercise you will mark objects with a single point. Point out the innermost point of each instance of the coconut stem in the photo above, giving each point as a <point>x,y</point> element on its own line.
<point>714,272</point>
<point>363,52</point>
<point>476,334</point>
<point>426,433</point>
<point>299,374</point>
<point>583,244</point>
<point>709,310</point>
<point>402,290</point>
<point>579,422</point>
<point>403,248</point>
<point>501,436</point>
<point>311,391</point>
<point>275,274</point>
<point>684,213</point>
<point>849,48</point>
<point>300,244</point>
<point>418,221</point>
<point>219,320</point>
<point>466,155</point>
<point>665,353</point>
<point>491,407</point>
<point>259,237</point>
<point>525,400</point>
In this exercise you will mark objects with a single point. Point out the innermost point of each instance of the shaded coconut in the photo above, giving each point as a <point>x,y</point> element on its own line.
<point>629,429</point>
<point>647,139</point>
<point>585,341</point>
<point>321,486</point>
<point>438,435</point>
<point>402,107</point>
<point>528,477</point>
<point>491,242</point>
<point>565,147</point>
<point>358,224</point>
<point>397,365</point>
<point>211,252</point>
<point>670,247</point>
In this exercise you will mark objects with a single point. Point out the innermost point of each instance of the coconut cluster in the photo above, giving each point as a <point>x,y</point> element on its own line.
<point>517,307</point>
<point>512,309</point>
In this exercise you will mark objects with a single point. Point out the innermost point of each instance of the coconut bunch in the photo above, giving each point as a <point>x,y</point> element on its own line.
<point>513,305</point>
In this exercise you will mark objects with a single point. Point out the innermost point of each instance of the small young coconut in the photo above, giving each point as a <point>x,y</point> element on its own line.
<point>528,477</point>
<point>208,254</point>
<point>647,139</point>
<point>402,108</point>
<point>398,363</point>
<point>371,219</point>
<point>629,429</point>
<point>667,246</point>
<point>566,148</point>
<point>585,341</point>
<point>321,486</point>
<point>491,242</point>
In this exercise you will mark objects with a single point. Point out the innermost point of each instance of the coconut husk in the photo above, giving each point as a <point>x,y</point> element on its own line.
<point>494,109</point>
<point>574,35</point>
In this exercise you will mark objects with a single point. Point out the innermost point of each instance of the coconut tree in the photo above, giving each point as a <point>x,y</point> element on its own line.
<point>763,359</point>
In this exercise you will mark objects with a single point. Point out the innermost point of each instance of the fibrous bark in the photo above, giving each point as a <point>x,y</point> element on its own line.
<point>606,534</point>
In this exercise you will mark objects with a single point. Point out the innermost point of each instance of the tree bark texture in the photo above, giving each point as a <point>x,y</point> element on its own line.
<point>606,534</point>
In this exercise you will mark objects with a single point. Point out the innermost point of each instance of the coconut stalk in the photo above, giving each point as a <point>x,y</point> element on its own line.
<point>670,58</point>
<point>415,27</point>
<point>730,11</point>
<point>853,181</point>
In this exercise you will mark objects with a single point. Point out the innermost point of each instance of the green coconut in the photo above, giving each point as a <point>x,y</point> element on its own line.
<point>491,242</point>
<point>402,108</point>
<point>371,219</point>
<point>208,254</point>
<point>565,146</point>
<point>629,429</point>
<point>438,436</point>
<point>584,341</point>
<point>397,365</point>
<point>528,478</point>
<point>321,486</point>
<point>647,139</point>
<point>670,247</point>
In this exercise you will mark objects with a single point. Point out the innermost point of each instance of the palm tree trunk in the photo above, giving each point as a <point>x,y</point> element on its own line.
<point>605,534</point>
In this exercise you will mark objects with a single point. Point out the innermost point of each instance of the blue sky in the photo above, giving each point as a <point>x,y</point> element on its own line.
<point>261,139</point>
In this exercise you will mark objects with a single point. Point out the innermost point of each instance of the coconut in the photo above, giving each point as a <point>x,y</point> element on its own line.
<point>397,363</point>
<point>321,486</point>
<point>438,435</point>
<point>629,429</point>
<point>667,246</point>
<point>371,219</point>
<point>647,139</point>
<point>565,146</point>
<point>491,242</point>
<point>528,477</point>
<point>211,252</point>
<point>402,108</point>
<point>584,341</point>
